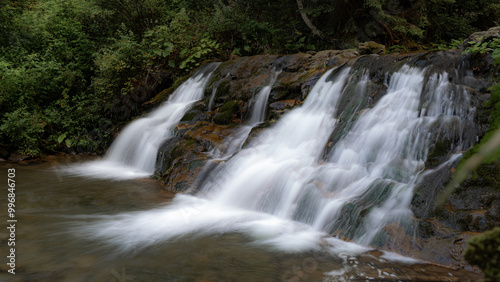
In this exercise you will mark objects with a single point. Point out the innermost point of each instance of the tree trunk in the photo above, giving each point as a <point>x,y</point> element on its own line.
<point>308,22</point>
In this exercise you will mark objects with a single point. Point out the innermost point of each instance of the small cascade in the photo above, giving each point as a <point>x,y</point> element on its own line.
<point>214,91</point>
<point>133,153</point>
<point>267,176</point>
<point>367,180</point>
<point>372,171</point>
<point>237,139</point>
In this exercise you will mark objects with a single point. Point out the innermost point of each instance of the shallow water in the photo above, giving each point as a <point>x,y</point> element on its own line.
<point>58,215</point>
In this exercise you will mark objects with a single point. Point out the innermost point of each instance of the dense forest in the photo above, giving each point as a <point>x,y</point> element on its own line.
<point>74,71</point>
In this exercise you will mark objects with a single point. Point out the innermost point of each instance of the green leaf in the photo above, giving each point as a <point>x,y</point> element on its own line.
<point>68,143</point>
<point>61,138</point>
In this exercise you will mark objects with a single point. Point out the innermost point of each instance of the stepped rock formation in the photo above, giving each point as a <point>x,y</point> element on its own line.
<point>440,233</point>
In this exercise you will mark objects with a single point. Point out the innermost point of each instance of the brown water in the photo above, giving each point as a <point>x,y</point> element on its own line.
<point>51,206</point>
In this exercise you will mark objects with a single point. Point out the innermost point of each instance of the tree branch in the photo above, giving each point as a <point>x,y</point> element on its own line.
<point>311,26</point>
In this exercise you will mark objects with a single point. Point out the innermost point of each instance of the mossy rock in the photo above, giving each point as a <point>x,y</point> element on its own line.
<point>163,95</point>
<point>223,118</point>
<point>227,113</point>
<point>437,152</point>
<point>190,115</point>
<point>484,251</point>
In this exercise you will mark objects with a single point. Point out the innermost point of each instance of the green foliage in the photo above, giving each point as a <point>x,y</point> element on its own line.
<point>452,19</point>
<point>396,49</point>
<point>74,65</point>
<point>482,47</point>
<point>46,69</point>
<point>484,251</point>
<point>24,129</point>
<point>453,44</point>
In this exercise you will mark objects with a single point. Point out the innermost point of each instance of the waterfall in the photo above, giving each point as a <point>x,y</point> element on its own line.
<point>237,139</point>
<point>266,177</point>
<point>133,153</point>
<point>291,186</point>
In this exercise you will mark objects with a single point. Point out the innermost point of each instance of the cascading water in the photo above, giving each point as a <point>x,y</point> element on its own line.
<point>133,153</point>
<point>236,140</point>
<point>282,190</point>
<point>371,172</point>
<point>293,146</point>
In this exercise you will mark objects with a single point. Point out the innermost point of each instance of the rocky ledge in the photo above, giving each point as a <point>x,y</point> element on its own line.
<point>441,233</point>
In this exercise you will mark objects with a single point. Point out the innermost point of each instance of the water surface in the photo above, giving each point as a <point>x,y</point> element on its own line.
<point>53,208</point>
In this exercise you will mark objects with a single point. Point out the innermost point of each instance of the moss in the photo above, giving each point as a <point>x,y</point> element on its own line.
<point>163,95</point>
<point>223,89</point>
<point>484,251</point>
<point>195,164</point>
<point>223,118</point>
<point>181,148</point>
<point>189,116</point>
<point>230,106</point>
<point>487,175</point>
<point>227,112</point>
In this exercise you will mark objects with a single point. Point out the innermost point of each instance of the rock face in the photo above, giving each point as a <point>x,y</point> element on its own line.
<point>440,233</point>
<point>236,82</point>
<point>481,36</point>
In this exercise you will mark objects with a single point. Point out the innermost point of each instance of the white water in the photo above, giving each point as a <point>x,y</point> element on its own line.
<point>214,91</point>
<point>234,142</point>
<point>282,179</point>
<point>133,153</point>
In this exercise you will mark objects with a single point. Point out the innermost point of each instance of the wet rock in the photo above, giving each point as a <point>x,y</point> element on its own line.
<point>279,105</point>
<point>16,157</point>
<point>481,36</point>
<point>181,158</point>
<point>349,53</point>
<point>439,233</point>
<point>371,47</point>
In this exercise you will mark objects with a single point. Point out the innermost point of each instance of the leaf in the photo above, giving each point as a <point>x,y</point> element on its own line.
<point>68,143</point>
<point>61,138</point>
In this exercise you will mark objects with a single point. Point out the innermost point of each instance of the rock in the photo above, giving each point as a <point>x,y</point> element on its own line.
<point>4,152</point>
<point>438,234</point>
<point>481,36</point>
<point>279,105</point>
<point>233,57</point>
<point>15,157</point>
<point>371,47</point>
<point>349,53</point>
<point>484,252</point>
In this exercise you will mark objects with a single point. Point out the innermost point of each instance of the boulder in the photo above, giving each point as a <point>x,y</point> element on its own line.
<point>481,36</point>
<point>371,47</point>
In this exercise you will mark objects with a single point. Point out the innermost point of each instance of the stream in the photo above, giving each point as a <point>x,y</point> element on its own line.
<point>56,212</point>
